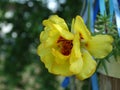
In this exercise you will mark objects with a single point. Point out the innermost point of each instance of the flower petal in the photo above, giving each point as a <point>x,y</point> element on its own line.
<point>76,62</point>
<point>62,69</point>
<point>42,50</point>
<point>48,61</point>
<point>46,56</point>
<point>66,34</point>
<point>80,27</point>
<point>49,36</point>
<point>59,21</point>
<point>76,66</point>
<point>43,36</point>
<point>89,66</point>
<point>59,57</point>
<point>55,63</point>
<point>100,45</point>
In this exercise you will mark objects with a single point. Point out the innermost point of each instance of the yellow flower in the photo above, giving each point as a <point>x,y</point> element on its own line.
<point>71,53</point>
<point>56,45</point>
<point>98,46</point>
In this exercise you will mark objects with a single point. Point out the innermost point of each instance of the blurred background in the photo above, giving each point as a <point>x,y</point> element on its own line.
<point>20,26</point>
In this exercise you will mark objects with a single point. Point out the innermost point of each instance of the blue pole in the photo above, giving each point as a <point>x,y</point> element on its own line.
<point>94,81</point>
<point>93,15</point>
<point>117,15</point>
<point>102,7</point>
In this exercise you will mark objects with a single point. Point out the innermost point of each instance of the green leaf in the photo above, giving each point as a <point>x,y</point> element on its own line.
<point>105,67</point>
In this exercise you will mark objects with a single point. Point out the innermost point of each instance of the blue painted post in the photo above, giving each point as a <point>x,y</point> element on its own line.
<point>117,15</point>
<point>93,79</point>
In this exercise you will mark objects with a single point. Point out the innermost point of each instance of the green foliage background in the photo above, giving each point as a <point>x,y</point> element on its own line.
<point>20,67</point>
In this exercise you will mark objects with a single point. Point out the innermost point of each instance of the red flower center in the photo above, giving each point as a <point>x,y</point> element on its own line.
<point>65,45</point>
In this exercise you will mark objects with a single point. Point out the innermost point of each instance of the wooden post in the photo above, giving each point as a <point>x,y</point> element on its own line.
<point>109,83</point>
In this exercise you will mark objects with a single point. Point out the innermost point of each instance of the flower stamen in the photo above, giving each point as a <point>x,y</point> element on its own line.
<point>65,45</point>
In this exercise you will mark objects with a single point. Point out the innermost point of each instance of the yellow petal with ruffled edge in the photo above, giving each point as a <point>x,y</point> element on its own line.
<point>52,24</point>
<point>76,62</point>
<point>61,69</point>
<point>80,27</point>
<point>64,33</point>
<point>48,60</point>
<point>52,62</point>
<point>50,35</point>
<point>59,57</point>
<point>62,28</point>
<point>100,45</point>
<point>59,21</point>
<point>46,56</point>
<point>43,36</point>
<point>41,50</point>
<point>89,66</point>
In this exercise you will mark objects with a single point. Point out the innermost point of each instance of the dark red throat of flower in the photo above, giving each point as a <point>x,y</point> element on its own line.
<point>65,45</point>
